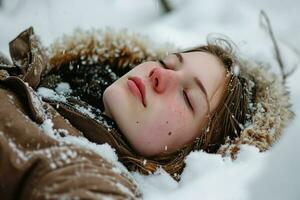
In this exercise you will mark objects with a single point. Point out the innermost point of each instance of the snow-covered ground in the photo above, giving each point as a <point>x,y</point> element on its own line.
<point>270,175</point>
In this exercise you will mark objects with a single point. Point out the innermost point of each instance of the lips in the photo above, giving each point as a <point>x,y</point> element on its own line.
<point>137,87</point>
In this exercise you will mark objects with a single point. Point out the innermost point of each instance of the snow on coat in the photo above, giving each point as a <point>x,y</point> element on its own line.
<point>43,156</point>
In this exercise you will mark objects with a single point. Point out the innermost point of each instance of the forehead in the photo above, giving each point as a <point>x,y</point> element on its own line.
<point>197,59</point>
<point>201,59</point>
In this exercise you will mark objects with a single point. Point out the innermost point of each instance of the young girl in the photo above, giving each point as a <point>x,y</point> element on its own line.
<point>152,107</point>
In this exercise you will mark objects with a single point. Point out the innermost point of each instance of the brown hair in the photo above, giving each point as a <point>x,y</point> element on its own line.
<point>225,122</point>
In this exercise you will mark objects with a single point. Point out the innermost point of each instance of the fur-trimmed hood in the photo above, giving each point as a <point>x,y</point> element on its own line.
<point>270,107</point>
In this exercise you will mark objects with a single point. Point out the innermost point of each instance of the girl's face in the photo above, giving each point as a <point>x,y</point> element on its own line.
<point>180,92</point>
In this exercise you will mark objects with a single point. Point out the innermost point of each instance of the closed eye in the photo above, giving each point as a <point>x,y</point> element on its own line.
<point>163,64</point>
<point>186,98</point>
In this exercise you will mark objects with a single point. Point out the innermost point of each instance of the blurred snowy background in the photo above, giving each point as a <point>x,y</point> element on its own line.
<point>270,175</point>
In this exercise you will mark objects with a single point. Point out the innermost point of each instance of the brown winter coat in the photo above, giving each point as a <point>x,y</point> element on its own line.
<point>34,164</point>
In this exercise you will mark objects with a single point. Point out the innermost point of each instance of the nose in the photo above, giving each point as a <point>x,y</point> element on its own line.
<point>160,79</point>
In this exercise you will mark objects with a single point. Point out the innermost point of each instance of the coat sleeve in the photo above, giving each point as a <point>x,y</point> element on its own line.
<point>35,166</point>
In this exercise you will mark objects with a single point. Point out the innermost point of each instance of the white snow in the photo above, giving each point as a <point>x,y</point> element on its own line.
<point>86,111</point>
<point>47,127</point>
<point>50,94</point>
<point>206,176</point>
<point>63,88</point>
<point>270,175</point>
<point>236,70</point>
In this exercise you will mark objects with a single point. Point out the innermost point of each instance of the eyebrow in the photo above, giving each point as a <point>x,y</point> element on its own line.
<point>197,80</point>
<point>179,56</point>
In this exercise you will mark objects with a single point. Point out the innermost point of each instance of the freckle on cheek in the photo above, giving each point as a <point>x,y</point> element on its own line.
<point>170,133</point>
<point>167,122</point>
<point>137,122</point>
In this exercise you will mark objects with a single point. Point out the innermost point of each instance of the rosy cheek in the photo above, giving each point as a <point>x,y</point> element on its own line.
<point>169,123</point>
<point>177,112</point>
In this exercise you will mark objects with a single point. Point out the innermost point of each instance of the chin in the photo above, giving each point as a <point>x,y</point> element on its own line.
<point>148,150</point>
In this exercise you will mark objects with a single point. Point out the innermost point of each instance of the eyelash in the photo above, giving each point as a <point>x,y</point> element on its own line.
<point>185,96</point>
<point>187,99</point>
<point>163,64</point>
